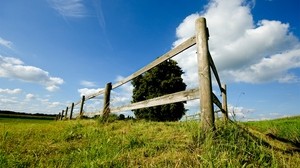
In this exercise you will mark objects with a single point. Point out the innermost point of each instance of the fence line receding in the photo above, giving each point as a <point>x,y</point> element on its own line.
<point>203,92</point>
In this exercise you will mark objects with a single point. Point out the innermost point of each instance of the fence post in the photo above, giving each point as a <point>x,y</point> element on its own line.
<point>106,100</point>
<point>62,114</point>
<point>66,115</point>
<point>205,86</point>
<point>224,102</point>
<point>81,106</point>
<point>71,112</point>
<point>57,117</point>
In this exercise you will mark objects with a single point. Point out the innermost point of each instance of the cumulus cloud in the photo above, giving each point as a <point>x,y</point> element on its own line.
<point>243,51</point>
<point>119,96</point>
<point>270,68</point>
<point>69,8</point>
<point>87,83</point>
<point>238,112</point>
<point>29,96</point>
<point>88,91</point>
<point>14,68</point>
<point>10,91</point>
<point>6,43</point>
<point>30,103</point>
<point>123,94</point>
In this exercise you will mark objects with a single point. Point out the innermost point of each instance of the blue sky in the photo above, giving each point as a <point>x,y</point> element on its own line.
<point>54,51</point>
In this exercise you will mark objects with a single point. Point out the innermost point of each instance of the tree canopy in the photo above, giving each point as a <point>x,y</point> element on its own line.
<point>160,80</point>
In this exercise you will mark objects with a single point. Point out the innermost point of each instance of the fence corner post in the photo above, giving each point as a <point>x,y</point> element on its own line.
<point>224,102</point>
<point>106,101</point>
<point>204,73</point>
<point>81,107</point>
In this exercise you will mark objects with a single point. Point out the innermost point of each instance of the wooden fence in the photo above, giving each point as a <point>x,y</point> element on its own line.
<point>203,92</point>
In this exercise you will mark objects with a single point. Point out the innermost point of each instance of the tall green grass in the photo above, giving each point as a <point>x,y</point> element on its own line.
<point>286,128</point>
<point>88,143</point>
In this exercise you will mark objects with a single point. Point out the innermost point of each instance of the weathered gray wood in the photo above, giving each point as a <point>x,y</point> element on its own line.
<point>66,115</point>
<point>95,94</point>
<point>106,100</point>
<point>224,102</point>
<point>216,101</point>
<point>182,47</point>
<point>71,111</point>
<point>88,97</point>
<point>205,87</point>
<point>57,117</point>
<point>214,69</point>
<point>81,106</point>
<point>166,99</point>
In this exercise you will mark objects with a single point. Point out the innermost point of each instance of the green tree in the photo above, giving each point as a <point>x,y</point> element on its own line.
<point>160,80</point>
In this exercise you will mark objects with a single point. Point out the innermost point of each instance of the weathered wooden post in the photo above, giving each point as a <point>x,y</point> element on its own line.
<point>106,100</point>
<point>205,86</point>
<point>57,117</point>
<point>62,114</point>
<point>71,111</point>
<point>81,106</point>
<point>224,102</point>
<point>66,115</point>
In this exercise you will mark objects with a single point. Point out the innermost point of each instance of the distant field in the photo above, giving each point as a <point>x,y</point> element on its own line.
<point>287,128</point>
<point>88,143</point>
<point>8,114</point>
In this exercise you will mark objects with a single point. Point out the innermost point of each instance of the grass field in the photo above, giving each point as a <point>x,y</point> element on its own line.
<point>88,143</point>
<point>285,128</point>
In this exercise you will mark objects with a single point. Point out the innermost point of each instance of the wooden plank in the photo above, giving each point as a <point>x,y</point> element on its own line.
<point>224,102</point>
<point>95,94</point>
<point>81,106</point>
<point>62,114</point>
<point>88,97</point>
<point>71,112</point>
<point>166,99</point>
<point>217,101</point>
<point>205,86</point>
<point>106,100</point>
<point>66,115</point>
<point>180,48</point>
<point>214,69</point>
<point>78,102</point>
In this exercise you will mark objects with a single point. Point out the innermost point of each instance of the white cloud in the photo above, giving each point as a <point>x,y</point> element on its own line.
<point>55,104</point>
<point>119,96</point>
<point>243,51</point>
<point>30,103</point>
<point>7,103</point>
<point>6,43</point>
<point>87,91</point>
<point>10,91</point>
<point>123,94</point>
<point>87,83</point>
<point>274,67</point>
<point>14,68</point>
<point>239,112</point>
<point>69,8</point>
<point>30,96</point>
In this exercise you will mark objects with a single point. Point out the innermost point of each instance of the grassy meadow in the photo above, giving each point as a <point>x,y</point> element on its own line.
<point>89,143</point>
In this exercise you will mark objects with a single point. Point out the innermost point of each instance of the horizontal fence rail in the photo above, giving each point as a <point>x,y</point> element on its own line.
<point>203,92</point>
<point>166,99</point>
<point>180,48</point>
<point>214,69</point>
